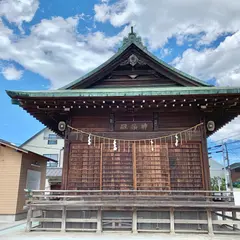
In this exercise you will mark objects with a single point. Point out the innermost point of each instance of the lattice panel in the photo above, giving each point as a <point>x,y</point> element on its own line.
<point>117,168</point>
<point>84,164</point>
<point>186,167</point>
<point>152,167</point>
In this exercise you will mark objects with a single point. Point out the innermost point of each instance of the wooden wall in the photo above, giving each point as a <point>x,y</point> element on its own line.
<point>10,165</point>
<point>136,166</point>
<point>26,162</point>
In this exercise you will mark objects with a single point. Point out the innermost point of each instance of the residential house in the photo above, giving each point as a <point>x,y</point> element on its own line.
<point>50,145</point>
<point>19,169</point>
<point>216,169</point>
<point>235,172</point>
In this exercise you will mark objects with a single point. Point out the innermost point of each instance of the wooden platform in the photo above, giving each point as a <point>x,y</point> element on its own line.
<point>136,211</point>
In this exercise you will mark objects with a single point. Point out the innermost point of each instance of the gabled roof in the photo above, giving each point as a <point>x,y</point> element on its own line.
<point>235,165</point>
<point>134,40</point>
<point>22,150</point>
<point>31,138</point>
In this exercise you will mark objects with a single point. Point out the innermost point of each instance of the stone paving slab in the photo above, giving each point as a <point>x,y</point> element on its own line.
<point>18,233</point>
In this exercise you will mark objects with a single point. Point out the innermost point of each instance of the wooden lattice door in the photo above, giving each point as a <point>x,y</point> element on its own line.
<point>117,168</point>
<point>152,167</point>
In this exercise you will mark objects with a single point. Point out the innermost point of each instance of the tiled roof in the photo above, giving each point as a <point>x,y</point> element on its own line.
<point>127,92</point>
<point>54,172</point>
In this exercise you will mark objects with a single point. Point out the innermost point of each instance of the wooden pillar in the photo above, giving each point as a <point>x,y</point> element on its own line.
<point>134,221</point>
<point>172,227</point>
<point>29,221</point>
<point>66,159</point>
<point>210,224</point>
<point>64,215</point>
<point>101,166</point>
<point>99,220</point>
<point>134,166</point>
<point>206,176</point>
<point>234,217</point>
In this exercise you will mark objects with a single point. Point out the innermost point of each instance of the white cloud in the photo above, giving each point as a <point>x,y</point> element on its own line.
<point>221,63</point>
<point>159,20</point>
<point>11,73</point>
<point>55,50</point>
<point>18,11</point>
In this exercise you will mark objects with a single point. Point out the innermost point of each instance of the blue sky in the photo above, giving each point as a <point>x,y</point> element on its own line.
<point>47,44</point>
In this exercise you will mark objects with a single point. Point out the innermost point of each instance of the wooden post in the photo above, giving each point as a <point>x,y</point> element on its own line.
<point>205,158</point>
<point>29,221</point>
<point>64,214</point>
<point>172,227</point>
<point>66,158</point>
<point>134,221</point>
<point>101,166</point>
<point>134,166</point>
<point>210,225</point>
<point>234,217</point>
<point>99,220</point>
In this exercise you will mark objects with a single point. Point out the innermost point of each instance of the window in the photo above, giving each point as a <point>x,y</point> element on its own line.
<point>54,157</point>
<point>52,139</point>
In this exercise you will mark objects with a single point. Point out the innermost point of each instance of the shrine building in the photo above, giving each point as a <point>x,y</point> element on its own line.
<point>134,124</point>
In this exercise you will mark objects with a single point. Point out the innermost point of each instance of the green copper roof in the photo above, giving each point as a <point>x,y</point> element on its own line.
<point>126,92</point>
<point>127,41</point>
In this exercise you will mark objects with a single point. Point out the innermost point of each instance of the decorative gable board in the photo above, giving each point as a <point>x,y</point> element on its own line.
<point>133,65</point>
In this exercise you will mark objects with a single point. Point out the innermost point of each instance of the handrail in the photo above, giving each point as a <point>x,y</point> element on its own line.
<point>130,191</point>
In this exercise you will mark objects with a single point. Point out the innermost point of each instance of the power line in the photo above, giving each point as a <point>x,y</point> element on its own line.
<point>220,140</point>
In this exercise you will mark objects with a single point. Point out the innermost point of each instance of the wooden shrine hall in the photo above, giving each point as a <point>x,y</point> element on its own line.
<point>135,155</point>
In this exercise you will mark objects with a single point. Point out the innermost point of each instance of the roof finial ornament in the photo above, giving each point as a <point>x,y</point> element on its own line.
<point>131,29</point>
<point>132,38</point>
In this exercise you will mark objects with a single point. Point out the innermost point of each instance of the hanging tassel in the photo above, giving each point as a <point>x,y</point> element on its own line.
<point>171,141</point>
<point>151,144</point>
<point>139,146</point>
<point>114,145</point>
<point>89,140</point>
<point>124,147</point>
<point>94,140</point>
<point>176,140</point>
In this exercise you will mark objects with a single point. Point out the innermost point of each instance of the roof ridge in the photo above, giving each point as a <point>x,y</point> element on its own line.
<point>132,38</point>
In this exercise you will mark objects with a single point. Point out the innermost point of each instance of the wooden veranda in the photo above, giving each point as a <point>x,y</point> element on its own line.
<point>168,211</point>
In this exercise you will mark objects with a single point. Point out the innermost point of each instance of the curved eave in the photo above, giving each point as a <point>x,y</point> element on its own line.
<point>123,92</point>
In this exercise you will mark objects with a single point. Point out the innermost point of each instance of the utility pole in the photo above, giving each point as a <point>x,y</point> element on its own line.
<point>225,169</point>
<point>228,168</point>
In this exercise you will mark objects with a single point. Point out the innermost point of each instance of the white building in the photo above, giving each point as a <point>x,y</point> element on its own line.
<point>216,169</point>
<point>50,145</point>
